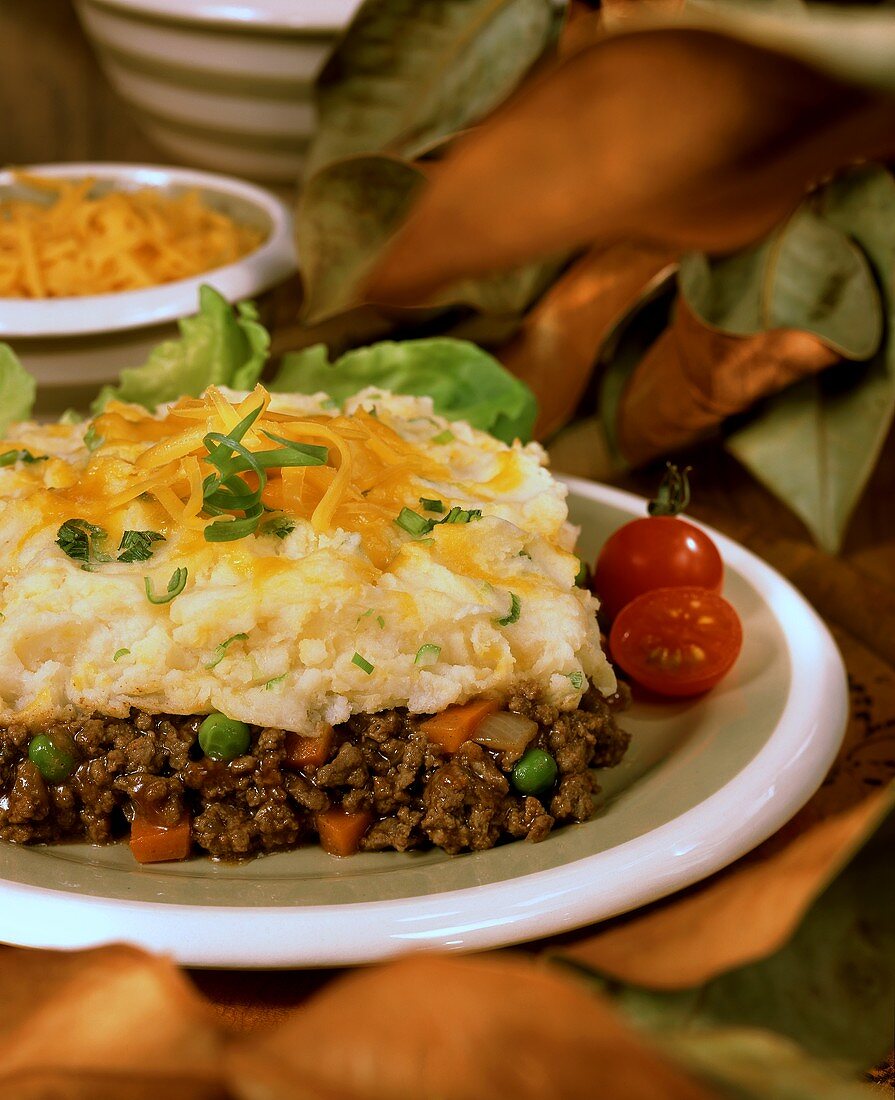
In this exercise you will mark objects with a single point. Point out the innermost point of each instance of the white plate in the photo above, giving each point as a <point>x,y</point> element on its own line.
<point>704,782</point>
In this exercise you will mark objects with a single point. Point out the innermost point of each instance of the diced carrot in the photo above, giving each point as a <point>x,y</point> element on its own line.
<point>158,843</point>
<point>302,751</point>
<point>340,831</point>
<point>457,724</point>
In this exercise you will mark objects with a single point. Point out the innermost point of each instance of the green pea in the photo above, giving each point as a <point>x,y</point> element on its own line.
<point>223,738</point>
<point>535,772</point>
<point>54,757</point>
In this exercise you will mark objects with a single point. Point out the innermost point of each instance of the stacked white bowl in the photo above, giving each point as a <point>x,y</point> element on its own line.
<point>216,84</point>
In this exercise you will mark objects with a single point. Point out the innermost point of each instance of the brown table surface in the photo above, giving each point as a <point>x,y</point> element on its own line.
<point>55,105</point>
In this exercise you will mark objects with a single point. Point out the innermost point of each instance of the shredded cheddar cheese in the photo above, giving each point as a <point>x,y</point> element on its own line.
<point>83,242</point>
<point>368,473</point>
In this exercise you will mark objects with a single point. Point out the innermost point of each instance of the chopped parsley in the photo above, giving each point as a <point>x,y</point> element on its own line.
<point>576,679</point>
<point>120,653</point>
<point>515,607</point>
<point>176,585</point>
<point>381,621</point>
<point>281,526</point>
<point>10,458</point>
<point>137,545</point>
<point>92,438</point>
<point>427,654</point>
<point>363,663</point>
<point>431,505</point>
<point>81,541</point>
<point>221,650</point>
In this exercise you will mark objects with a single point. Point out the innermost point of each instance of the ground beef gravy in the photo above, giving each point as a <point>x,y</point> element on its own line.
<point>418,795</point>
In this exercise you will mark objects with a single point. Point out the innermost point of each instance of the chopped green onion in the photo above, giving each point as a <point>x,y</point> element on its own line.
<point>137,545</point>
<point>271,684</point>
<point>432,505</point>
<point>10,458</point>
<point>427,654</point>
<point>176,585</point>
<point>515,607</point>
<point>120,653</point>
<point>362,662</point>
<point>221,650</point>
<point>365,614</point>
<point>315,454</point>
<point>462,515</point>
<point>413,523</point>
<point>92,439</point>
<point>230,530</point>
<point>381,621</point>
<point>576,679</point>
<point>71,417</point>
<point>447,436</point>
<point>582,577</point>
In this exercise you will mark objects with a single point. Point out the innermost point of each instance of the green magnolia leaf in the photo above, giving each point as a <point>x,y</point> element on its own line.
<point>409,72</point>
<point>464,382</point>
<point>216,347</point>
<point>347,213</point>
<point>816,444</point>
<point>17,389</point>
<point>830,989</point>
<point>808,276</point>
<point>757,1065</point>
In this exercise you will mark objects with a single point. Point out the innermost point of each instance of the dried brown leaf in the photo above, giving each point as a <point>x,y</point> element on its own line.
<point>45,1084</point>
<point>736,918</point>
<point>456,1029</point>
<point>683,137</point>
<point>694,376</point>
<point>112,1010</point>
<point>560,339</point>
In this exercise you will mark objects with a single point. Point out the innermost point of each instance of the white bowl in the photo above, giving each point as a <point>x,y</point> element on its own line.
<point>222,85</point>
<point>73,344</point>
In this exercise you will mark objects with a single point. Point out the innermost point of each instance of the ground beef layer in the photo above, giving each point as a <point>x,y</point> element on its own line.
<point>417,794</point>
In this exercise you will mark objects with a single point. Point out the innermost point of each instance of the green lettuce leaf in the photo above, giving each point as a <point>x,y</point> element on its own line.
<point>216,347</point>
<point>464,382</point>
<point>16,389</point>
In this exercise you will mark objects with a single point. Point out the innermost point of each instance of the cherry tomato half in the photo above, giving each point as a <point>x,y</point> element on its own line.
<point>654,552</point>
<point>676,641</point>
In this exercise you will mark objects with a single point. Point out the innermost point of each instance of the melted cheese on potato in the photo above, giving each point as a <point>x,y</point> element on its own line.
<point>280,631</point>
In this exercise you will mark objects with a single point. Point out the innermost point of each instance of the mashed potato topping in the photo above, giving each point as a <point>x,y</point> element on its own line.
<point>328,608</point>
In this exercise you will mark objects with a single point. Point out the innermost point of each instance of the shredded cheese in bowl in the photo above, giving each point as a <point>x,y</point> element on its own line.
<point>85,243</point>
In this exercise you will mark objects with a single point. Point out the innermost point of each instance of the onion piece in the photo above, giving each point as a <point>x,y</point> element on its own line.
<point>505,731</point>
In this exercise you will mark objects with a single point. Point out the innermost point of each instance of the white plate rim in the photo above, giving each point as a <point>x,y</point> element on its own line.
<point>774,785</point>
